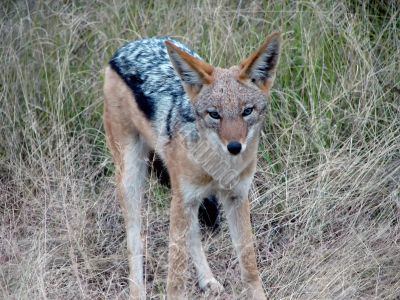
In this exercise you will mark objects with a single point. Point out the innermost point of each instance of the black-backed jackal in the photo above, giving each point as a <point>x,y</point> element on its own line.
<point>204,122</point>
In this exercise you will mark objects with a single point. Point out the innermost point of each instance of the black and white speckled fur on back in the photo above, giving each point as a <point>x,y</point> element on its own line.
<point>145,67</point>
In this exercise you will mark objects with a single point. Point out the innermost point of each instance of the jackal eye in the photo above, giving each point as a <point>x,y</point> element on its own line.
<point>214,115</point>
<point>247,111</point>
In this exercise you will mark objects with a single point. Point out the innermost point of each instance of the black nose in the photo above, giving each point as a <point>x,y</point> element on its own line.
<point>234,147</point>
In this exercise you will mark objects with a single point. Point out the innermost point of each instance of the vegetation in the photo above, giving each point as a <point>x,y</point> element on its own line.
<point>326,197</point>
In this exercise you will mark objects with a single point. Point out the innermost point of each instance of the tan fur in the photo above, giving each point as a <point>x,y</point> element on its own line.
<point>122,116</point>
<point>249,170</point>
<point>130,135</point>
<point>233,130</point>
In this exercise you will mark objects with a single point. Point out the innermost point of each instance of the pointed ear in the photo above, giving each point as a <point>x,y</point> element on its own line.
<point>193,72</point>
<point>260,67</point>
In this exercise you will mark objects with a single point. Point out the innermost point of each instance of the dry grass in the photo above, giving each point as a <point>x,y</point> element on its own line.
<point>326,200</point>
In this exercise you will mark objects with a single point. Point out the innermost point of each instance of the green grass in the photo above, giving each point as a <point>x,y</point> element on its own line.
<point>326,194</point>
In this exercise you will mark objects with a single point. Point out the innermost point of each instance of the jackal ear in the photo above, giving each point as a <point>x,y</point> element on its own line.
<point>260,66</point>
<point>193,72</point>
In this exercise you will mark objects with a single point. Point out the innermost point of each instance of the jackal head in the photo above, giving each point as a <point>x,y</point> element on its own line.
<point>230,104</point>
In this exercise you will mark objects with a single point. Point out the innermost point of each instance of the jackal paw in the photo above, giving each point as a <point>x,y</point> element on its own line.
<point>211,286</point>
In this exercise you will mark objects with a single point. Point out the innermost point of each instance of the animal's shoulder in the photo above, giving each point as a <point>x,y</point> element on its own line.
<point>145,67</point>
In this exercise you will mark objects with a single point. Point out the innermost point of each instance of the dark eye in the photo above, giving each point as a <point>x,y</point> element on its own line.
<point>247,111</point>
<point>214,115</point>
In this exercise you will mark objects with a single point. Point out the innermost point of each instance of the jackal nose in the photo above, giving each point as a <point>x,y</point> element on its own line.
<point>234,147</point>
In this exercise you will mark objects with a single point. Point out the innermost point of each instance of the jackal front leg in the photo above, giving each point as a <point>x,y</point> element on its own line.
<point>207,281</point>
<point>238,217</point>
<point>177,256</point>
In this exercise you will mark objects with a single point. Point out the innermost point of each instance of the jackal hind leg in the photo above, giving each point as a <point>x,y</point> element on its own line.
<point>129,151</point>
<point>129,156</point>
<point>132,187</point>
